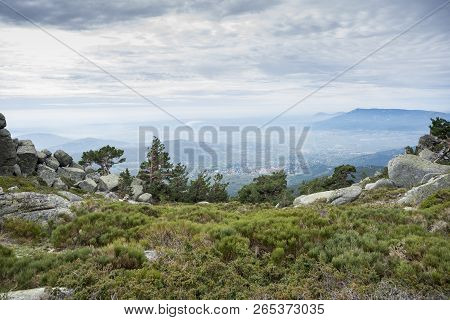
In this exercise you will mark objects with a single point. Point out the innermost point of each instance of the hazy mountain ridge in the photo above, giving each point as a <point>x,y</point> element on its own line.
<point>381,119</point>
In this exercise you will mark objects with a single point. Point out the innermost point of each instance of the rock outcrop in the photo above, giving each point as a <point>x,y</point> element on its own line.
<point>27,157</point>
<point>8,153</point>
<point>382,183</point>
<point>39,294</point>
<point>145,197</point>
<point>409,170</point>
<point>418,194</point>
<point>109,182</point>
<point>63,158</point>
<point>137,188</point>
<point>87,185</point>
<point>336,197</point>
<point>74,175</point>
<point>47,174</point>
<point>34,206</point>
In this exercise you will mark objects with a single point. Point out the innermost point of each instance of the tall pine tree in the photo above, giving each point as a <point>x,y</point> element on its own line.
<point>156,171</point>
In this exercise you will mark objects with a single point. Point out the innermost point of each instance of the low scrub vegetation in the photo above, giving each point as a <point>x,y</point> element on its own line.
<point>238,251</point>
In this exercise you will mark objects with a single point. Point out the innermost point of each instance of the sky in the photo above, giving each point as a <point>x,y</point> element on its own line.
<point>209,60</point>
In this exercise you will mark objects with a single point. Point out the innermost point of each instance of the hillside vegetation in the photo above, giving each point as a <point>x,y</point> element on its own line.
<point>370,249</point>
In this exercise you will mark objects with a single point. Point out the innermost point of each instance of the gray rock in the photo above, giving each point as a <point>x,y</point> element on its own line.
<point>76,165</point>
<point>109,182</point>
<point>145,197</point>
<point>428,177</point>
<point>418,194</point>
<point>47,152</point>
<point>39,294</point>
<point>60,185</point>
<point>47,174</point>
<point>8,153</point>
<point>26,143</point>
<point>382,183</point>
<point>428,155</point>
<point>2,121</point>
<point>203,203</point>
<point>33,206</point>
<point>1,191</point>
<point>52,162</point>
<point>63,158</point>
<point>344,195</point>
<point>41,157</point>
<point>13,189</point>
<point>74,175</point>
<point>27,157</point>
<point>336,197</point>
<point>409,170</point>
<point>70,196</point>
<point>17,171</point>
<point>94,176</point>
<point>89,170</point>
<point>151,255</point>
<point>137,188</point>
<point>87,185</point>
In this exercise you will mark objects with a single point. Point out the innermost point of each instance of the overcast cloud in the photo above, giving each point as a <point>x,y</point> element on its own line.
<point>211,59</point>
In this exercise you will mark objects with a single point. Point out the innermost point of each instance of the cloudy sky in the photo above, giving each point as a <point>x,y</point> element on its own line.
<point>202,59</point>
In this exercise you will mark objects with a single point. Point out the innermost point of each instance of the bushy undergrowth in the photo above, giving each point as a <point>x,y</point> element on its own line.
<point>235,251</point>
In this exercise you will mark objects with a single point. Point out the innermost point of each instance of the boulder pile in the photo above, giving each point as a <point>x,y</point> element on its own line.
<point>423,173</point>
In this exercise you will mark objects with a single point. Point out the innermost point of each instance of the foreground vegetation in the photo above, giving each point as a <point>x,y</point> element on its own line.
<point>236,251</point>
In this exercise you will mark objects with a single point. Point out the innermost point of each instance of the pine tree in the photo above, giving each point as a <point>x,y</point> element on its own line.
<point>218,189</point>
<point>156,171</point>
<point>178,184</point>
<point>125,183</point>
<point>199,188</point>
<point>104,157</point>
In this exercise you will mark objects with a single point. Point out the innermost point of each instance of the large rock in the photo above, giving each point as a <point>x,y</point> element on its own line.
<point>34,206</point>
<point>418,194</point>
<point>27,157</point>
<point>145,197</point>
<point>137,188</point>
<point>47,174</point>
<point>70,196</point>
<point>52,162</point>
<point>63,158</point>
<point>87,185</point>
<point>8,153</point>
<point>336,197</point>
<point>109,182</point>
<point>41,157</point>
<point>74,175</point>
<point>409,170</point>
<point>2,121</point>
<point>382,183</point>
<point>76,165</point>
<point>428,155</point>
<point>60,185</point>
<point>94,176</point>
<point>39,294</point>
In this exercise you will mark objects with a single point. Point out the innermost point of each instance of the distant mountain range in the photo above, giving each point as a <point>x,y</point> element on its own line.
<point>45,140</point>
<point>380,119</point>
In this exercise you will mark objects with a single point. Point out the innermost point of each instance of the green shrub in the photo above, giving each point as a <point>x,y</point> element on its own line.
<point>127,256</point>
<point>440,128</point>
<point>23,229</point>
<point>440,197</point>
<point>277,255</point>
<point>232,247</point>
<point>342,177</point>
